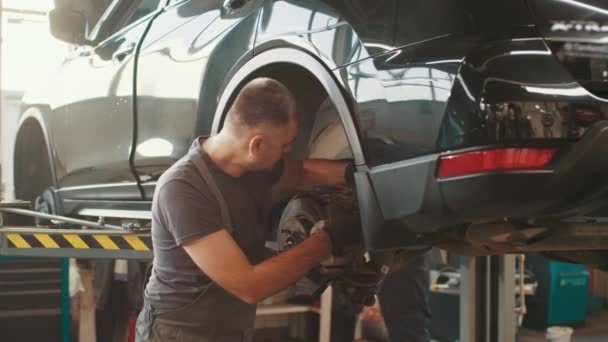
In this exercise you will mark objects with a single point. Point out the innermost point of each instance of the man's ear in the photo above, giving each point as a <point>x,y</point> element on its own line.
<point>255,145</point>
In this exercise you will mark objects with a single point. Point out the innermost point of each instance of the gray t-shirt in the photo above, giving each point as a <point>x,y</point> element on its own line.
<point>184,208</point>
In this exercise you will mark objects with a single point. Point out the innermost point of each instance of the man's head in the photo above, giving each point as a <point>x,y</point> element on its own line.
<point>262,121</point>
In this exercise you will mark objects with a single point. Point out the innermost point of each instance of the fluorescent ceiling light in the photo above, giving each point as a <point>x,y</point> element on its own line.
<point>586,6</point>
<point>557,91</point>
<point>530,52</point>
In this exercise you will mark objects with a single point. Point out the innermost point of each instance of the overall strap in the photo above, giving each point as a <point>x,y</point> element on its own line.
<point>203,170</point>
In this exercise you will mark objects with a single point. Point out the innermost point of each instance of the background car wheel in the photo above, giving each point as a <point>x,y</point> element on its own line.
<point>32,167</point>
<point>47,203</point>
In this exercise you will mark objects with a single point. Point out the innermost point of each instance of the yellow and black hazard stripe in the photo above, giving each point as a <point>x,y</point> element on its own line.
<point>93,241</point>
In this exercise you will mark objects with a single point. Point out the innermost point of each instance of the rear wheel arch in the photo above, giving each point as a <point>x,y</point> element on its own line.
<point>33,165</point>
<point>267,63</point>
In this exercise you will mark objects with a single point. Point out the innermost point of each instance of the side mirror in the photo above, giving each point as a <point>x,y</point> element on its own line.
<point>68,25</point>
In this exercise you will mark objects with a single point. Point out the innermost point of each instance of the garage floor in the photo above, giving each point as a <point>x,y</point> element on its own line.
<point>596,330</point>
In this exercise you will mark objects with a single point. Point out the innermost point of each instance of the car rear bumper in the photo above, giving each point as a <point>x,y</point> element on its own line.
<point>402,201</point>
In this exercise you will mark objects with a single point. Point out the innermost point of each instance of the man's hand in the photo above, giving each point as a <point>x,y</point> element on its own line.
<point>361,285</point>
<point>343,227</point>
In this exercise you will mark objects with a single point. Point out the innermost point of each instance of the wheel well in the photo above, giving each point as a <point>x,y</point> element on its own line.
<point>316,111</point>
<point>31,163</point>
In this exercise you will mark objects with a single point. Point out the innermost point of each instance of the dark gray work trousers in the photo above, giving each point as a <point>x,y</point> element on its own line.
<point>404,300</point>
<point>215,316</point>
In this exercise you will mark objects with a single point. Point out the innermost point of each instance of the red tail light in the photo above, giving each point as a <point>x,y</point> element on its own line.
<point>494,160</point>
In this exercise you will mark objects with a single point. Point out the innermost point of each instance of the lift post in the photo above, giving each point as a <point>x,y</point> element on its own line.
<point>487,299</point>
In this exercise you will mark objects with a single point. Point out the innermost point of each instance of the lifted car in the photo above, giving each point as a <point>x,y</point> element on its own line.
<point>480,127</point>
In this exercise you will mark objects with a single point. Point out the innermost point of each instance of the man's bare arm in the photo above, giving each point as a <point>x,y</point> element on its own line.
<point>220,258</point>
<point>307,174</point>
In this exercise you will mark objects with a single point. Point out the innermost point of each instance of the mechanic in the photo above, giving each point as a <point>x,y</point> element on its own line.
<point>209,223</point>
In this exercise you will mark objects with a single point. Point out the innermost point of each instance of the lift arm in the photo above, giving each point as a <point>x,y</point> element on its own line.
<point>88,240</point>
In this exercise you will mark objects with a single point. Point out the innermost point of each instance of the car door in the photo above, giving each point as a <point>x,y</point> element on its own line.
<point>182,66</point>
<point>91,120</point>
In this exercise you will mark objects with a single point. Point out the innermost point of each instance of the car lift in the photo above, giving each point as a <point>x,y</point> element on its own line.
<point>68,238</point>
<point>487,294</point>
<point>21,237</point>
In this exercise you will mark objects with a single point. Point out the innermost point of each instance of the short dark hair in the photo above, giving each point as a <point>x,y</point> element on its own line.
<point>263,101</point>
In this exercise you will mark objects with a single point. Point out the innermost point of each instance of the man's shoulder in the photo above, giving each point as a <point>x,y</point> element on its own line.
<point>180,183</point>
<point>182,171</point>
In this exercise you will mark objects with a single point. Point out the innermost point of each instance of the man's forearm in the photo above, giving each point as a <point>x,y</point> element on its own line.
<point>276,273</point>
<point>305,175</point>
<point>320,172</point>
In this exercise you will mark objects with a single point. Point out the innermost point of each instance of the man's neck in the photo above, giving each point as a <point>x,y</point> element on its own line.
<point>220,151</point>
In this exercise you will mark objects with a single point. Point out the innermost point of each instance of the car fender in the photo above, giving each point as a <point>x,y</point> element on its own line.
<point>302,59</point>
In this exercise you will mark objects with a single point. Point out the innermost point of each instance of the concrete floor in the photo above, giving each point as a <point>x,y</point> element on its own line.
<point>595,330</point>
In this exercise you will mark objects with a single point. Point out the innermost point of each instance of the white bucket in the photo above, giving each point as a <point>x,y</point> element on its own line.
<point>559,334</point>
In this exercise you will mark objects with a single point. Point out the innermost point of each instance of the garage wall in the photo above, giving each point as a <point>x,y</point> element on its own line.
<point>11,107</point>
<point>24,33</point>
